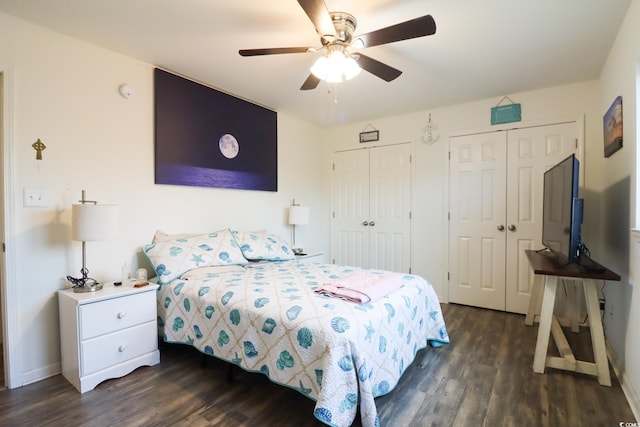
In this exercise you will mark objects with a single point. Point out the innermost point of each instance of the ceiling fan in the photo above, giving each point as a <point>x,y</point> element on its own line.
<point>336,35</point>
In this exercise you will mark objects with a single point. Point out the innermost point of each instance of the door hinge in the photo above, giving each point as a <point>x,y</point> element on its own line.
<point>448,276</point>
<point>409,214</point>
<point>449,155</point>
<point>333,166</point>
<point>449,216</point>
<point>4,248</point>
<point>576,143</point>
<point>333,214</point>
<point>410,270</point>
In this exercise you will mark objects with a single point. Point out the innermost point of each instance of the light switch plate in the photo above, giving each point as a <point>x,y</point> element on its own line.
<point>34,198</point>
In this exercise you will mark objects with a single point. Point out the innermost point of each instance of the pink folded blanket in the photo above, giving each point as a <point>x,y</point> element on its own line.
<point>361,286</point>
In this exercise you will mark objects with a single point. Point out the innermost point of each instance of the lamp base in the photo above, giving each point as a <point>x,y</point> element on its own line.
<point>84,283</point>
<point>88,288</point>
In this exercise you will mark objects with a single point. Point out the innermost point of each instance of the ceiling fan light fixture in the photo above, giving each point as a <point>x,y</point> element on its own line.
<point>350,68</point>
<point>335,67</point>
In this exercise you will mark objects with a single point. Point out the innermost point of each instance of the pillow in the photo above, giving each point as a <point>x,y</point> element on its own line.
<point>172,258</point>
<point>161,236</point>
<point>259,245</point>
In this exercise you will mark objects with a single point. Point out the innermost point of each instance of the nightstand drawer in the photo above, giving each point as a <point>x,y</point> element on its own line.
<point>114,314</point>
<point>108,350</point>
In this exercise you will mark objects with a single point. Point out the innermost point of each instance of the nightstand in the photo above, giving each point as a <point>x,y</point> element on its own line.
<point>312,257</point>
<point>107,333</point>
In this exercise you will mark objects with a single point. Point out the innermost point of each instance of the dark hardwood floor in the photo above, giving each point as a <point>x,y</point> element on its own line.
<point>483,378</point>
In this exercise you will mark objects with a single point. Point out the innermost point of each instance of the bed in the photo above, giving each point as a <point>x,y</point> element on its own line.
<point>264,316</point>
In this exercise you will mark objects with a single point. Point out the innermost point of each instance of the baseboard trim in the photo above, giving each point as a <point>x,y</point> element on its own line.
<point>40,374</point>
<point>629,392</point>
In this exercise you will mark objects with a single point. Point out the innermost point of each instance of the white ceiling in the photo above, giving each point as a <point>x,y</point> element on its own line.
<point>481,49</point>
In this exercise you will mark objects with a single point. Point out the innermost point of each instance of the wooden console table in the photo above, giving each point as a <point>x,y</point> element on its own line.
<point>552,268</point>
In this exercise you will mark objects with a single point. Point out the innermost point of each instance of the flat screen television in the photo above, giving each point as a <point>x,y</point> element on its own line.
<point>562,210</point>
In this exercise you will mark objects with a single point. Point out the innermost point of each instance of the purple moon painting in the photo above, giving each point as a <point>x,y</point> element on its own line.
<point>207,138</point>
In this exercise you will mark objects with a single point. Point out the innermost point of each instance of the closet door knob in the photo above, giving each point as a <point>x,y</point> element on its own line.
<point>122,314</point>
<point>500,227</point>
<point>122,348</point>
<point>365,223</point>
<point>372,223</point>
<point>512,227</point>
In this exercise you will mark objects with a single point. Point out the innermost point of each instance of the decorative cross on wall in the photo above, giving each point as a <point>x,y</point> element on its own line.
<point>38,146</point>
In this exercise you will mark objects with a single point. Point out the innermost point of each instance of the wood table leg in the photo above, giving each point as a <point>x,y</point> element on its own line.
<point>544,329</point>
<point>597,333</point>
<point>572,303</point>
<point>534,299</point>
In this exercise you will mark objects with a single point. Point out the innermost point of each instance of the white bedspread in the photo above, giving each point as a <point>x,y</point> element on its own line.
<point>266,318</point>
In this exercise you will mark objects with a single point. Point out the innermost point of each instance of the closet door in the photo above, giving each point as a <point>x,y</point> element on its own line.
<point>390,208</point>
<point>350,208</point>
<point>477,214</point>
<point>531,151</point>
<point>495,201</point>
<point>371,208</point>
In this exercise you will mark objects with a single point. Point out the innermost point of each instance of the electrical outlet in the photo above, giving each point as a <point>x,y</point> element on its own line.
<point>34,198</point>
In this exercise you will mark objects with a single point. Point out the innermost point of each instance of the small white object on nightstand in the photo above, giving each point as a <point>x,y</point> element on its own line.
<point>107,333</point>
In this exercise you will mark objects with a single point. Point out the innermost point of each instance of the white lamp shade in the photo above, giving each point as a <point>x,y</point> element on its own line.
<point>298,215</point>
<point>91,222</point>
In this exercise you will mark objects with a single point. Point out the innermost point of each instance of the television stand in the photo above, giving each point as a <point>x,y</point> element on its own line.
<point>549,266</point>
<point>590,266</point>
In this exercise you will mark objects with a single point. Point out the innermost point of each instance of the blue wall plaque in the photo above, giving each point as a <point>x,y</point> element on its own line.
<point>506,114</point>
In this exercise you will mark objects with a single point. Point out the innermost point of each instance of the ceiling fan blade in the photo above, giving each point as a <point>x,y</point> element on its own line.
<point>377,68</point>
<point>311,83</point>
<point>272,51</point>
<point>418,27</point>
<point>318,13</point>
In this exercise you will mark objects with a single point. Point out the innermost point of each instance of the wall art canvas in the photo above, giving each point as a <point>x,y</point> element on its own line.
<point>612,123</point>
<point>207,138</point>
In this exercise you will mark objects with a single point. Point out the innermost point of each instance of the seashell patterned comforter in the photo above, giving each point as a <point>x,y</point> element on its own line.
<point>266,318</point>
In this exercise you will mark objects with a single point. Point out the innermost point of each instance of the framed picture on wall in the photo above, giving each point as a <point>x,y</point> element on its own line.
<point>612,125</point>
<point>207,138</point>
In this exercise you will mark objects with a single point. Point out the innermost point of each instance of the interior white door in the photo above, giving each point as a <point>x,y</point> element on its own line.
<point>350,208</point>
<point>496,185</point>
<point>390,208</point>
<point>476,224</point>
<point>531,151</point>
<point>371,203</point>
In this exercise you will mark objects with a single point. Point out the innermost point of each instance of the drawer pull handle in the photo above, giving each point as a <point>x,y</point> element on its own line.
<point>122,348</point>
<point>122,315</point>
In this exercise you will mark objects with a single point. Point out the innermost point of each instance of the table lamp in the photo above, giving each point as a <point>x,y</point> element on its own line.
<point>91,222</point>
<point>298,215</point>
